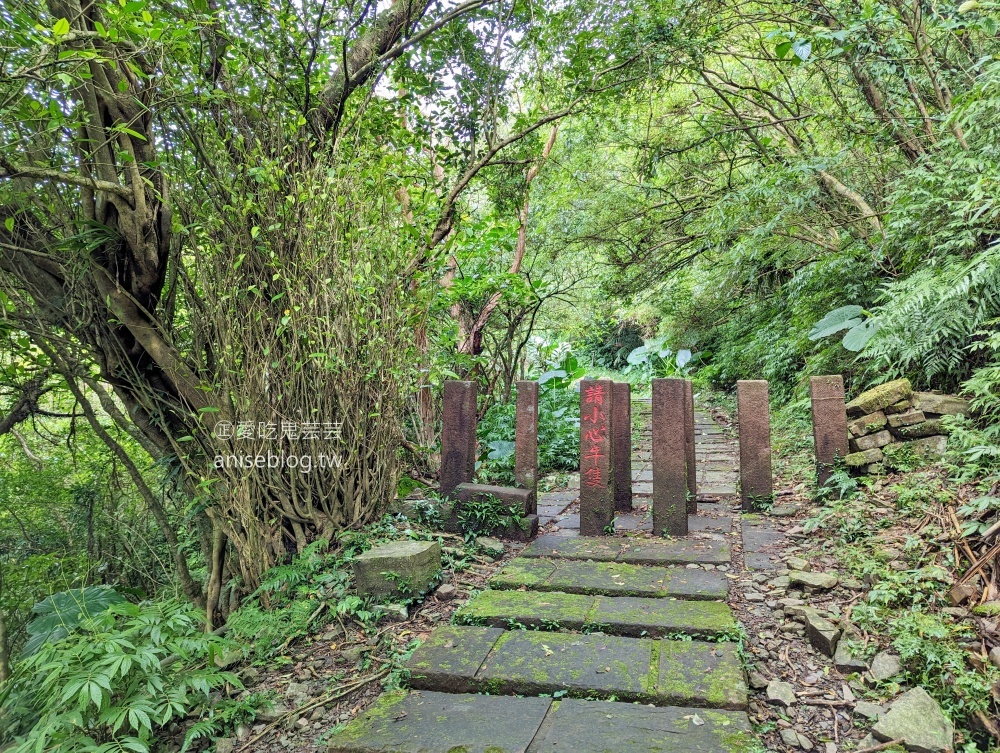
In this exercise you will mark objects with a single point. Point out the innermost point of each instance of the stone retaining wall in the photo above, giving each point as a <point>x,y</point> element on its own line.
<point>891,419</point>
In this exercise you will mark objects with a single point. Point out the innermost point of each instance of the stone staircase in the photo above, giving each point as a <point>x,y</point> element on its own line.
<point>586,645</point>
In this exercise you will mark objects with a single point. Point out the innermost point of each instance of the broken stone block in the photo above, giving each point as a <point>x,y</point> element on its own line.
<point>869,424</point>
<point>393,612</point>
<point>491,547</point>
<point>929,448</point>
<point>928,428</point>
<point>906,419</point>
<point>780,693</point>
<point>880,397</point>
<point>961,594</point>
<point>822,634</point>
<point>757,681</point>
<point>819,581</point>
<point>845,661</point>
<point>917,720</point>
<point>901,407</point>
<point>884,666</point>
<point>864,458</point>
<point>943,405</point>
<point>869,710</point>
<point>871,441</point>
<point>401,569</point>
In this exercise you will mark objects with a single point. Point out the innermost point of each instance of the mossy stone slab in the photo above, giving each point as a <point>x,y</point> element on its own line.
<point>426,722</point>
<point>692,673</point>
<point>627,615</point>
<point>575,547</point>
<point>603,727</point>
<point>451,657</point>
<point>676,552</point>
<point>528,608</point>
<point>528,663</point>
<point>611,578</point>
<point>524,572</point>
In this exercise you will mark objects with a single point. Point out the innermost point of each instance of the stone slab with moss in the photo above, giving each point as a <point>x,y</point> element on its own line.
<point>668,552</point>
<point>529,663</point>
<point>611,579</point>
<point>880,397</point>
<point>620,615</point>
<point>603,727</point>
<point>693,673</point>
<point>451,657</point>
<point>627,615</point>
<point>428,722</point>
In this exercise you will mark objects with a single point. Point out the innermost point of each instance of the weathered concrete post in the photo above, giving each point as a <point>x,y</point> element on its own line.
<point>526,441</point>
<point>597,470</point>
<point>753,411</point>
<point>621,432</point>
<point>689,439</point>
<point>458,435</point>
<point>669,458</point>
<point>829,423</point>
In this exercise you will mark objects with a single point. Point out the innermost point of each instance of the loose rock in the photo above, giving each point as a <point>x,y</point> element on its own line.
<point>819,581</point>
<point>884,666</point>
<point>917,720</point>
<point>781,693</point>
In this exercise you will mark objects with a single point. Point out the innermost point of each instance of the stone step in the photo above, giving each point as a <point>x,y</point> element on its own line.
<point>615,615</point>
<point>429,722</point>
<point>610,579</point>
<point>634,551</point>
<point>458,659</point>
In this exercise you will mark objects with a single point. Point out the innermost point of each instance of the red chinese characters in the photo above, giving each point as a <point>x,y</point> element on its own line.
<point>593,438</point>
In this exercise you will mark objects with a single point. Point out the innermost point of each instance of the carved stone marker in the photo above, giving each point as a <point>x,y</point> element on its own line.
<point>526,440</point>
<point>669,457</point>
<point>753,410</point>
<point>458,435</point>
<point>597,503</point>
<point>829,423</point>
<point>621,434</point>
<point>689,439</point>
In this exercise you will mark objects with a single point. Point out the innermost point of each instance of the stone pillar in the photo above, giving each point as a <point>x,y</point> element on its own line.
<point>669,458</point>
<point>597,502</point>
<point>753,410</point>
<point>689,439</point>
<point>621,433</point>
<point>526,441</point>
<point>829,423</point>
<point>458,435</point>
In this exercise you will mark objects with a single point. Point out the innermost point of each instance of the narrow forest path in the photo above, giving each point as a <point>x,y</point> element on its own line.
<point>574,622</point>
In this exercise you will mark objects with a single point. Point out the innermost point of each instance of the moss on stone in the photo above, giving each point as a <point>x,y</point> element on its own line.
<point>381,709</point>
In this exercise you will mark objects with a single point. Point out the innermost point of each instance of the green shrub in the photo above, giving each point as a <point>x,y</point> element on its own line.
<point>558,427</point>
<point>115,680</point>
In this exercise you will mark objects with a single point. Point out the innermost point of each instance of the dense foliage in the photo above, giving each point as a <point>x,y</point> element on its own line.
<point>255,230</point>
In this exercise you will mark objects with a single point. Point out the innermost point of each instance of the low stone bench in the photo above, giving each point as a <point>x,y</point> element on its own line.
<point>401,569</point>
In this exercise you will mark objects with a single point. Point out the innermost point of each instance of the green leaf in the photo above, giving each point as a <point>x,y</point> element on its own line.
<point>61,27</point>
<point>844,317</point>
<point>9,224</point>
<point>782,49</point>
<point>857,338</point>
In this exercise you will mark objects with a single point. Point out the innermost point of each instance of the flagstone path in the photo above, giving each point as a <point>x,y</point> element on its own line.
<point>587,645</point>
